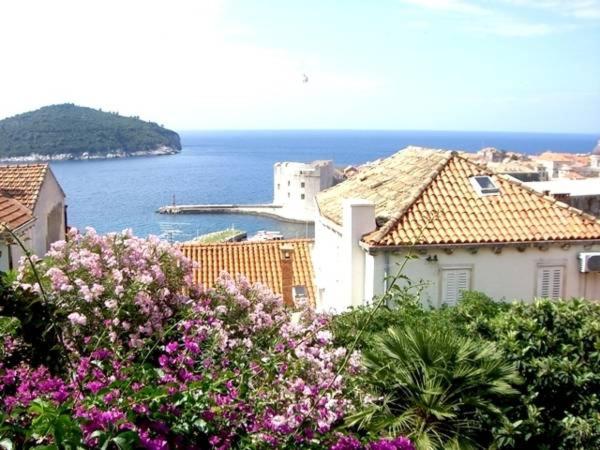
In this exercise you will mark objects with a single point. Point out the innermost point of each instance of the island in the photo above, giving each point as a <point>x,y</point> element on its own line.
<point>68,131</point>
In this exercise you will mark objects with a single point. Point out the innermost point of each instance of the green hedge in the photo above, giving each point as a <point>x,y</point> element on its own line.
<point>555,346</point>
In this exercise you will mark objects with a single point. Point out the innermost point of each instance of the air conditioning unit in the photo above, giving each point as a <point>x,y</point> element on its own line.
<point>589,262</point>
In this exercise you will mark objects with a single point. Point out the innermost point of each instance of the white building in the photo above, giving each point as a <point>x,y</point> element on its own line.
<point>595,157</point>
<point>296,184</point>
<point>32,204</point>
<point>466,227</point>
<point>582,194</point>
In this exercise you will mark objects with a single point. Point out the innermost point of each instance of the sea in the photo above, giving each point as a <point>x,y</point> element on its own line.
<point>237,167</point>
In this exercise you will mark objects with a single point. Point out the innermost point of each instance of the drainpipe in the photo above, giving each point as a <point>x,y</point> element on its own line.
<point>66,217</point>
<point>10,257</point>
<point>386,270</point>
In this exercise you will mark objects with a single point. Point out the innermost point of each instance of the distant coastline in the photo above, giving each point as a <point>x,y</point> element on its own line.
<point>115,154</point>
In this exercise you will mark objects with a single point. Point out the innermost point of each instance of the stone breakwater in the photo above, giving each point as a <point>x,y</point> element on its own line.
<point>113,154</point>
<point>265,210</point>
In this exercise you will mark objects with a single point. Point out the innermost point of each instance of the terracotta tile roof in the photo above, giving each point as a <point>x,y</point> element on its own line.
<point>257,261</point>
<point>390,183</point>
<point>438,204</point>
<point>13,214</point>
<point>22,182</point>
<point>570,158</point>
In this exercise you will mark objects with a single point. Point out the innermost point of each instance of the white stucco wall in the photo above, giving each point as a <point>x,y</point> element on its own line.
<point>327,257</point>
<point>16,252</point>
<point>339,260</point>
<point>4,258</point>
<point>505,276</point>
<point>296,184</point>
<point>509,275</point>
<point>50,196</point>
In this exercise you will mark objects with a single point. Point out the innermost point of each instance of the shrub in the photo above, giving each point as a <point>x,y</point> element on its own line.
<point>36,342</point>
<point>471,315</point>
<point>556,347</point>
<point>435,386</point>
<point>114,290</point>
<point>226,367</point>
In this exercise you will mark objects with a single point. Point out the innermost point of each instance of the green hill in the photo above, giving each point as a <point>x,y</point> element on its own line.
<point>75,130</point>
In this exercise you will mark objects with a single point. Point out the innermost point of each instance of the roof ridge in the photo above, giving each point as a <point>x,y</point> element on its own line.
<point>529,189</point>
<point>436,170</point>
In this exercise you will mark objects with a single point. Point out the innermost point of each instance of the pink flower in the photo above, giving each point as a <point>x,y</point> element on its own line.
<point>77,319</point>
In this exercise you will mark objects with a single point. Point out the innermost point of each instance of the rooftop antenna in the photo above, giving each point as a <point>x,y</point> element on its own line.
<point>174,202</point>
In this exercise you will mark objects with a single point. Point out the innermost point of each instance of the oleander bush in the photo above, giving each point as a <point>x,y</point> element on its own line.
<point>152,361</point>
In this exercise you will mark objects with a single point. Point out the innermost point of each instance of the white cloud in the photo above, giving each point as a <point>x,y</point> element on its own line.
<point>495,21</point>
<point>580,9</point>
<point>511,28</point>
<point>182,63</point>
<point>457,6</point>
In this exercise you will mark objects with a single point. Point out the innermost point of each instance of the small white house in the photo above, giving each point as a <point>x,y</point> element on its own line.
<point>296,184</point>
<point>465,228</point>
<point>32,204</point>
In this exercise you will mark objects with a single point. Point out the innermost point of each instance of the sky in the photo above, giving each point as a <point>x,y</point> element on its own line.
<point>504,65</point>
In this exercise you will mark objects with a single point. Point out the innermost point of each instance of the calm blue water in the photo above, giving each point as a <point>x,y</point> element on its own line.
<point>237,167</point>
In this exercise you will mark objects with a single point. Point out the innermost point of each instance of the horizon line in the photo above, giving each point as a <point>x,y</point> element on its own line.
<point>396,130</point>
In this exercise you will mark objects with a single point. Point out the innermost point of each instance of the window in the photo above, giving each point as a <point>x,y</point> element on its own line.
<point>550,280</point>
<point>454,281</point>
<point>302,184</point>
<point>302,196</point>
<point>299,292</point>
<point>484,185</point>
<point>288,195</point>
<point>278,186</point>
<point>288,182</point>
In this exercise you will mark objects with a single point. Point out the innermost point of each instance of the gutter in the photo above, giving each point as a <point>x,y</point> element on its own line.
<point>373,248</point>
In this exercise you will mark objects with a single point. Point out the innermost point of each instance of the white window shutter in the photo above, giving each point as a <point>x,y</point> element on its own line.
<point>550,282</point>
<point>454,281</point>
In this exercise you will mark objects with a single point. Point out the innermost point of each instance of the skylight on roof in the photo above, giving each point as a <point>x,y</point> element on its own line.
<point>484,185</point>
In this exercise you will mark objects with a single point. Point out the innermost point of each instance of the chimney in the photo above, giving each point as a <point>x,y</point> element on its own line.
<point>287,273</point>
<point>358,218</point>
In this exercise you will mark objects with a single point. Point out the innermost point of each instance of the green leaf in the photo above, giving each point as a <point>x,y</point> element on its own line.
<point>126,440</point>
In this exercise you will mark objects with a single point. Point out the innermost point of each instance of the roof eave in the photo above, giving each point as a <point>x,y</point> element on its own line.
<point>327,221</point>
<point>21,228</point>
<point>378,247</point>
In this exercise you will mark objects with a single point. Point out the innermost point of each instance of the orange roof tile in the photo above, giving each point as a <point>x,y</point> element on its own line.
<point>22,182</point>
<point>440,206</point>
<point>257,261</point>
<point>390,183</point>
<point>13,214</point>
<point>570,158</point>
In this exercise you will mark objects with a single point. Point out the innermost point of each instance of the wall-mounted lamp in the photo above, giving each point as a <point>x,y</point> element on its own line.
<point>431,258</point>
